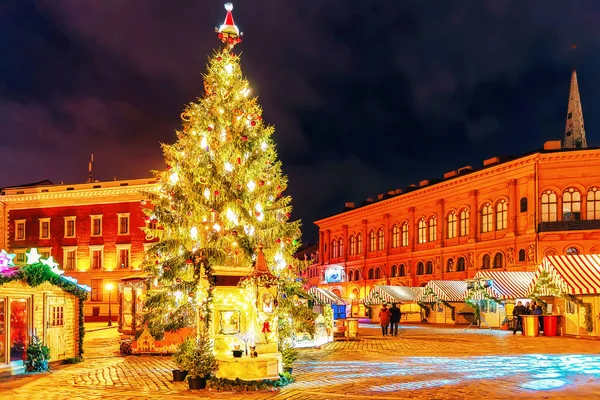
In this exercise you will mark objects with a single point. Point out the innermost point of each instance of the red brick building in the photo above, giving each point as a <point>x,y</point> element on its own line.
<point>506,215</point>
<point>92,230</point>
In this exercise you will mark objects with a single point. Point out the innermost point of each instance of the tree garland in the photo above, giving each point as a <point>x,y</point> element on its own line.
<point>429,292</point>
<point>425,308</point>
<point>38,273</point>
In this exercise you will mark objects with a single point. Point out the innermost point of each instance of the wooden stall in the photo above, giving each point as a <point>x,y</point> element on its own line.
<point>403,296</point>
<point>444,299</point>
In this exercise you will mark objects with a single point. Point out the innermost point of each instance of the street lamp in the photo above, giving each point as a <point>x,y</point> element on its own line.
<point>109,287</point>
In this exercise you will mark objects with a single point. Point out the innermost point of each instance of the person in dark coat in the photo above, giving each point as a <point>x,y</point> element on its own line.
<point>384,319</point>
<point>394,319</point>
<point>519,310</point>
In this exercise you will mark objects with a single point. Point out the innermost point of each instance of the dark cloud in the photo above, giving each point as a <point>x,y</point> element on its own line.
<point>366,96</point>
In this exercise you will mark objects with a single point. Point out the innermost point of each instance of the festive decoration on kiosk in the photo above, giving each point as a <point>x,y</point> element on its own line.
<point>33,257</point>
<point>6,260</point>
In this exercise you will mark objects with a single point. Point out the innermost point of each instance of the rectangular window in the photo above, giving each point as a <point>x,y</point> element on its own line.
<point>20,229</point>
<point>96,256</point>
<point>69,227</point>
<point>20,258</point>
<point>123,224</point>
<point>70,258</point>
<point>124,258</point>
<point>44,228</point>
<point>57,318</point>
<point>96,294</point>
<point>96,225</point>
<point>45,252</point>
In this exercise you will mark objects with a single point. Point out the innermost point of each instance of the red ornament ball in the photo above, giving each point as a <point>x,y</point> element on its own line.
<point>234,233</point>
<point>288,215</point>
<point>261,183</point>
<point>279,194</point>
<point>239,160</point>
<point>209,128</point>
<point>188,261</point>
<point>178,280</point>
<point>147,218</point>
<point>258,214</point>
<point>219,58</point>
<point>278,240</point>
<point>253,123</point>
<point>169,168</point>
<point>216,192</point>
<point>244,138</point>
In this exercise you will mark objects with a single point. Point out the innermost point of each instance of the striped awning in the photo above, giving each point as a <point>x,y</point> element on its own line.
<point>326,296</point>
<point>392,294</point>
<point>572,274</point>
<point>451,291</point>
<point>505,284</point>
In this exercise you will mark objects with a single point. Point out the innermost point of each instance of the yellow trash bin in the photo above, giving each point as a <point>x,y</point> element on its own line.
<point>352,324</point>
<point>531,325</point>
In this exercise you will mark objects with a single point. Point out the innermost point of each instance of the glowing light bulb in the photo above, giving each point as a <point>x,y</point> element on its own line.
<point>174,178</point>
<point>229,68</point>
<point>251,185</point>
<point>249,229</point>
<point>216,227</point>
<point>228,167</point>
<point>231,216</point>
<point>194,233</point>
<point>207,193</point>
<point>259,210</point>
<point>194,132</point>
<point>245,92</point>
<point>264,146</point>
<point>203,143</point>
<point>223,135</point>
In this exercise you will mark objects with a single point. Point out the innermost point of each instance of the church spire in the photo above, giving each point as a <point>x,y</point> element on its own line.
<point>574,130</point>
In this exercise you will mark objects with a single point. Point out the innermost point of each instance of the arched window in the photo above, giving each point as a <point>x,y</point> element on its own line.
<point>572,251</point>
<point>450,265</point>
<point>501,215</point>
<point>334,248</point>
<point>355,293</point>
<point>380,239</point>
<point>460,265</point>
<point>498,260</point>
<point>377,272</point>
<point>549,206</point>
<point>405,234</point>
<point>486,262</point>
<point>452,225</point>
<point>486,218</point>
<point>402,271</point>
<point>341,247</point>
<point>422,231</point>
<point>571,205</point>
<point>394,270</point>
<point>359,243</point>
<point>522,255</point>
<point>371,273</point>
<point>464,222</point>
<point>429,268</point>
<point>352,245</point>
<point>432,229</point>
<point>593,203</point>
<point>356,275</point>
<point>350,275</point>
<point>420,268</point>
<point>395,236</point>
<point>523,204</point>
<point>372,240</point>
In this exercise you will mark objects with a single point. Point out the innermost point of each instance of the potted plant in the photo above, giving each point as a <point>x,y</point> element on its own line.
<point>289,355</point>
<point>202,362</point>
<point>38,356</point>
<point>182,358</point>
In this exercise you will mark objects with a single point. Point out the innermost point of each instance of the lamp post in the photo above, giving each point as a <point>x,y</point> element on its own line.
<point>109,288</point>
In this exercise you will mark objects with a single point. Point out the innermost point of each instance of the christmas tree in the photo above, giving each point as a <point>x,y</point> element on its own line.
<point>220,198</point>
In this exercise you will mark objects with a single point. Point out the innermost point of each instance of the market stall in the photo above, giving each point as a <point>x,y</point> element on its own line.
<point>132,291</point>
<point>403,296</point>
<point>440,299</point>
<point>569,285</point>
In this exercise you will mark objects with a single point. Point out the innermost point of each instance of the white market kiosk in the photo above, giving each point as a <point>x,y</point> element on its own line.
<point>403,295</point>
<point>435,293</point>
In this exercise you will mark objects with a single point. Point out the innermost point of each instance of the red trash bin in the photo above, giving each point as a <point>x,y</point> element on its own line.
<point>550,325</point>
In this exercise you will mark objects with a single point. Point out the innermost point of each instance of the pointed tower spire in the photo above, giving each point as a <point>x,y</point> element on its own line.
<point>574,131</point>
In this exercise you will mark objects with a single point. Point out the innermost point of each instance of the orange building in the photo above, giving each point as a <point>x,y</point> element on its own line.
<point>507,215</point>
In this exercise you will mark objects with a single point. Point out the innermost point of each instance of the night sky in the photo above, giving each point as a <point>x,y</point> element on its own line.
<point>366,96</point>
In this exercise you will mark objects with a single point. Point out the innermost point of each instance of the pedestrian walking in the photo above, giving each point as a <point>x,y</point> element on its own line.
<point>519,310</point>
<point>384,319</point>
<point>395,316</point>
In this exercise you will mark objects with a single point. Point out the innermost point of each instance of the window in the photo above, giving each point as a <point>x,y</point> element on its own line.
<point>486,218</point>
<point>20,229</point>
<point>523,204</point>
<point>352,245</point>
<point>151,225</point>
<point>452,225</point>
<point>96,294</point>
<point>464,222</point>
<point>420,268</point>
<point>57,316</point>
<point>377,273</point>
<point>371,273</point>
<point>45,252</point>
<point>432,229</point>
<point>334,248</point>
<point>395,236</point>
<point>70,227</point>
<point>20,257</point>
<point>522,255</point>
<point>123,256</point>
<point>44,228</point>
<point>501,215</point>
<point>549,206</point>
<point>405,234</point>
<point>571,205</point>
<point>70,258</point>
<point>483,305</point>
<point>402,271</point>
<point>422,231</point>
<point>356,275</point>
<point>394,271</point>
<point>96,257</point>
<point>572,251</point>
<point>359,243</point>
<point>486,262</point>
<point>429,268</point>
<point>593,203</point>
<point>372,240</point>
<point>450,265</point>
<point>341,247</point>
<point>380,239</point>
<point>350,275</point>
<point>96,225</point>
<point>498,260</point>
<point>123,223</point>
<point>493,306</point>
<point>460,265</point>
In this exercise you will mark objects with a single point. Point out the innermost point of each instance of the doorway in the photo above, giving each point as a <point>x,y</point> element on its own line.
<point>18,328</point>
<point>55,326</point>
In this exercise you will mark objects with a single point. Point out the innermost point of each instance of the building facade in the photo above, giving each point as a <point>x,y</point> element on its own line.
<point>507,215</point>
<point>92,230</point>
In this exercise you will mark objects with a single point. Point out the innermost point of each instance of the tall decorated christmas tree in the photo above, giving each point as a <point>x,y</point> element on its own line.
<point>220,215</point>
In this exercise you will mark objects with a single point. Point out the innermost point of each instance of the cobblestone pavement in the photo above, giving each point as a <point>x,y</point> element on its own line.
<point>423,362</point>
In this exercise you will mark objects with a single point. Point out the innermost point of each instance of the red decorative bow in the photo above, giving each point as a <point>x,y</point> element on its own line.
<point>266,327</point>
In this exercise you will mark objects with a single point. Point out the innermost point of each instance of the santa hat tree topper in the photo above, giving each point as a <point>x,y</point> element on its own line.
<point>229,32</point>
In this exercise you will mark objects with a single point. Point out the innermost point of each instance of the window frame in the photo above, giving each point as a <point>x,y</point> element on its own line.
<point>359,243</point>
<point>372,240</point>
<point>404,232</point>
<point>395,236</point>
<point>41,222</point>
<point>502,215</point>
<point>119,248</point>
<point>572,203</point>
<point>19,222</point>
<point>66,250</point>
<point>487,218</point>
<point>452,223</point>
<point>592,204</point>
<point>352,245</point>
<point>96,295</point>
<point>380,239</point>
<point>422,231</point>
<point>96,247</point>
<point>92,219</point>
<point>68,219</point>
<point>549,199</point>
<point>432,229</point>
<point>123,216</point>
<point>464,222</point>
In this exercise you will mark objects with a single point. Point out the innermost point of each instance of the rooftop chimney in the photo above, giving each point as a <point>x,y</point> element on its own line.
<point>553,145</point>
<point>491,161</point>
<point>450,174</point>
